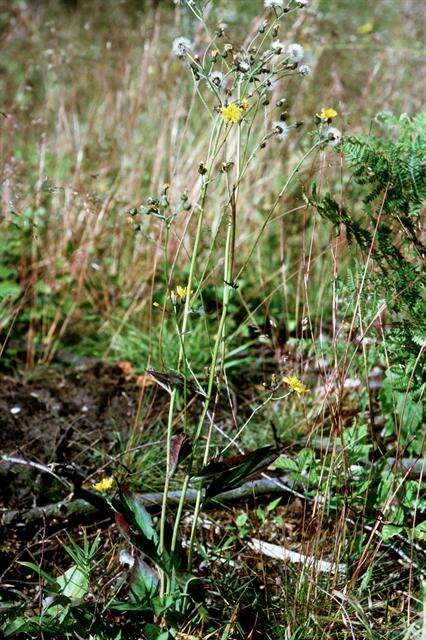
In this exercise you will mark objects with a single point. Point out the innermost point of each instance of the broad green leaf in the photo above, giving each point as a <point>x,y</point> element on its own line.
<point>390,530</point>
<point>74,583</point>
<point>241,519</point>
<point>141,517</point>
<point>420,531</point>
<point>9,290</point>
<point>286,463</point>
<point>273,505</point>
<point>19,625</point>
<point>144,580</point>
<point>238,469</point>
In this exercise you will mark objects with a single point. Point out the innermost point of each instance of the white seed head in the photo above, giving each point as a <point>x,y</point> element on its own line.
<point>243,65</point>
<point>216,78</point>
<point>181,46</point>
<point>277,46</point>
<point>304,70</point>
<point>126,559</point>
<point>334,136</point>
<point>271,84</point>
<point>295,52</point>
<point>274,4</point>
<point>281,130</point>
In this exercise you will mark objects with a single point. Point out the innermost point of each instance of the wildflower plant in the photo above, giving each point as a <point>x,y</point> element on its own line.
<point>238,87</point>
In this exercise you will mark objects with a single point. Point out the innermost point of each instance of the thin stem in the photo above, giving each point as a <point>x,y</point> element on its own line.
<point>186,312</point>
<point>220,336</point>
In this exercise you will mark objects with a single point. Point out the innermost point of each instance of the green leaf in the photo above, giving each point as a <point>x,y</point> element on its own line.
<point>420,531</point>
<point>74,583</point>
<point>144,580</point>
<point>49,579</point>
<point>241,520</point>
<point>141,517</point>
<point>390,530</point>
<point>18,625</point>
<point>5,272</point>
<point>152,632</point>
<point>9,290</point>
<point>286,463</point>
<point>273,505</point>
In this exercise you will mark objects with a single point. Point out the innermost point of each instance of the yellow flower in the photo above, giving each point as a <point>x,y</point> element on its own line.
<point>232,113</point>
<point>365,28</point>
<point>296,385</point>
<point>244,104</point>
<point>327,114</point>
<point>181,293</point>
<point>103,485</point>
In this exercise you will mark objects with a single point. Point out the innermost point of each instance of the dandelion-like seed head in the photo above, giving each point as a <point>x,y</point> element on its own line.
<point>281,130</point>
<point>295,52</point>
<point>242,64</point>
<point>273,4</point>
<point>103,485</point>
<point>334,136</point>
<point>277,46</point>
<point>181,46</point>
<point>232,112</point>
<point>304,70</point>
<point>216,78</point>
<point>296,385</point>
<point>271,84</point>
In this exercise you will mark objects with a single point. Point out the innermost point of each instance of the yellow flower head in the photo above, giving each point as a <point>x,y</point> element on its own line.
<point>244,104</point>
<point>366,28</point>
<point>327,114</point>
<point>232,112</point>
<point>296,385</point>
<point>181,293</point>
<point>103,485</point>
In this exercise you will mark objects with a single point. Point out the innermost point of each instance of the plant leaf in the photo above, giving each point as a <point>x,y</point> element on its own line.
<point>74,583</point>
<point>181,449</point>
<point>140,516</point>
<point>144,580</point>
<point>237,469</point>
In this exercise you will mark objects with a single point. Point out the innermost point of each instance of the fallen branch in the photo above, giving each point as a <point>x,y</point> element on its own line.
<point>281,553</point>
<point>78,508</point>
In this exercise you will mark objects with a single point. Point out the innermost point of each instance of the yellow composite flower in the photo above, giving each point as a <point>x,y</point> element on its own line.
<point>365,28</point>
<point>232,112</point>
<point>181,292</point>
<point>295,385</point>
<point>327,114</point>
<point>103,485</point>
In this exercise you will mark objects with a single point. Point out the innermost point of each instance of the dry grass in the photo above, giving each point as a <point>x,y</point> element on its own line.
<point>99,116</point>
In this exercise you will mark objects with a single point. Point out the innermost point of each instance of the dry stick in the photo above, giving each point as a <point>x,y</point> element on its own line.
<point>281,553</point>
<point>69,508</point>
<point>81,509</point>
<point>280,483</point>
<point>35,465</point>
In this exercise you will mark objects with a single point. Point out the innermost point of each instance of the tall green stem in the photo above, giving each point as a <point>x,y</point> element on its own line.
<point>220,336</point>
<point>181,357</point>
